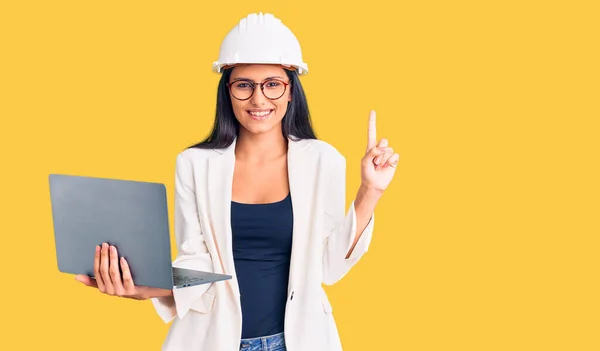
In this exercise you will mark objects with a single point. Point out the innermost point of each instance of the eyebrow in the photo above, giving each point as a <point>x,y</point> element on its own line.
<point>250,80</point>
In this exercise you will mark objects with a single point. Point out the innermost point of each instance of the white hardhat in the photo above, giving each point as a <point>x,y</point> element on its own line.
<point>260,38</point>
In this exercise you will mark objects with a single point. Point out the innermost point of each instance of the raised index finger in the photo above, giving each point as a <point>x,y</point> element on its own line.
<point>372,135</point>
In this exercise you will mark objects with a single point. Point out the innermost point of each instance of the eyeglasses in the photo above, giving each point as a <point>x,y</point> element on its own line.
<point>243,89</point>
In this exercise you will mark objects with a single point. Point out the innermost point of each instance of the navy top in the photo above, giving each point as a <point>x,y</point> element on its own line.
<point>262,245</point>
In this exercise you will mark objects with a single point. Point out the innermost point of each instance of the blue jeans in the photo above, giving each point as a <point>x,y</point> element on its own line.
<point>265,343</point>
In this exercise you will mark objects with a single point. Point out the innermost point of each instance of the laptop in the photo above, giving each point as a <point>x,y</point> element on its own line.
<point>131,215</point>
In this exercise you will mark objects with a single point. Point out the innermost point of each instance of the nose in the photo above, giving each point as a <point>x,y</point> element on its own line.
<point>258,98</point>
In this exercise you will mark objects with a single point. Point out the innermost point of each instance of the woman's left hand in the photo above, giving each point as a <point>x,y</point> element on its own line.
<point>378,166</point>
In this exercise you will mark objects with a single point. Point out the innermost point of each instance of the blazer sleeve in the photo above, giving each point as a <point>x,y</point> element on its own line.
<point>192,250</point>
<point>340,227</point>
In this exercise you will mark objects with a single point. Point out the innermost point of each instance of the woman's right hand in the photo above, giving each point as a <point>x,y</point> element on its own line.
<point>109,281</point>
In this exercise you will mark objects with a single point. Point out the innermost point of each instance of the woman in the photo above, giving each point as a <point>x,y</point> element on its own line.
<point>263,200</point>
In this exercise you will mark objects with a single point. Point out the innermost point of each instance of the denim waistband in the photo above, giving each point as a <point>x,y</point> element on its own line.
<point>275,342</point>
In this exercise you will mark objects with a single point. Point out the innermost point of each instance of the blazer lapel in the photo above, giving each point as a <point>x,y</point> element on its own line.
<point>219,188</point>
<point>300,172</point>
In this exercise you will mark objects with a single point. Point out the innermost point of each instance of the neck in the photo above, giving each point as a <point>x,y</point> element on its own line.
<point>260,147</point>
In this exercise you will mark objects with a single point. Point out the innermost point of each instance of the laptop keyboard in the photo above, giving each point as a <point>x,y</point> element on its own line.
<point>182,279</point>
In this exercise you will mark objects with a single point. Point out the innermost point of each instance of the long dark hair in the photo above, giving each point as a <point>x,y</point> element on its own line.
<point>226,127</point>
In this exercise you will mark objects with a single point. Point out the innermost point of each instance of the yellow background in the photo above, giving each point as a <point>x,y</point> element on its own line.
<point>486,240</point>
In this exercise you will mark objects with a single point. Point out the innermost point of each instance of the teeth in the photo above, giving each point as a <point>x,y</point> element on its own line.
<point>259,113</point>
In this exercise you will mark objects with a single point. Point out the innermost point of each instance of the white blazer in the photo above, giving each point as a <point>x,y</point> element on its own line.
<point>208,317</point>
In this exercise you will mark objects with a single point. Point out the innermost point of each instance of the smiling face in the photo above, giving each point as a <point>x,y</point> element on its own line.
<point>259,114</point>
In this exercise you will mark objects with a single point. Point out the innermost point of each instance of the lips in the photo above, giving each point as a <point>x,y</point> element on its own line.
<point>259,115</point>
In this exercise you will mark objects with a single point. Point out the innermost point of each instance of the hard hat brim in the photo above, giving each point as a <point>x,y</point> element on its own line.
<point>219,67</point>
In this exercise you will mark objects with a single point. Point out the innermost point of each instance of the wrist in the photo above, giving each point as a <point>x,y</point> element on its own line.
<point>165,293</point>
<point>150,293</point>
<point>367,192</point>
<point>367,198</point>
